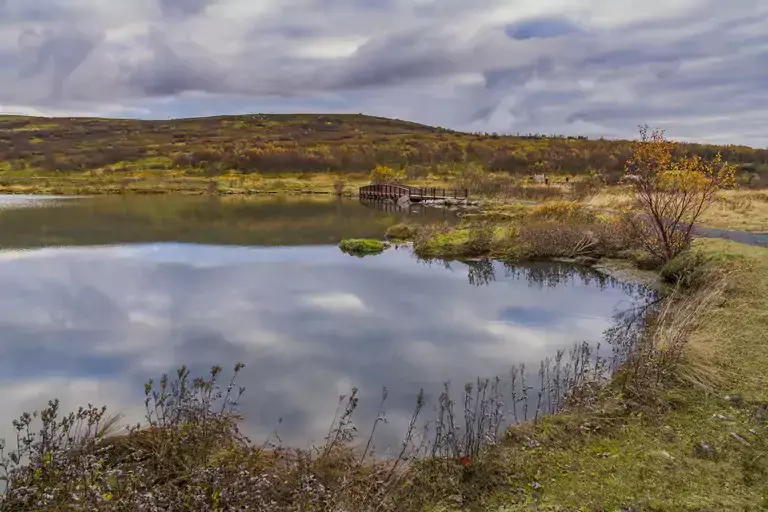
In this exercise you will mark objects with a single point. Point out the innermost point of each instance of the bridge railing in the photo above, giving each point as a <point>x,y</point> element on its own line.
<point>396,191</point>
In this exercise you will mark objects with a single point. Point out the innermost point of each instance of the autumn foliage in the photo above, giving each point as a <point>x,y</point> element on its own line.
<point>316,143</point>
<point>385,174</point>
<point>671,192</point>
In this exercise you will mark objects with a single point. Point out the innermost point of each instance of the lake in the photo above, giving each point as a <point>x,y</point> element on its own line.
<point>99,294</point>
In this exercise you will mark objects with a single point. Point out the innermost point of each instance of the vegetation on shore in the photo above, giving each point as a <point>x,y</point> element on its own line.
<point>670,194</point>
<point>526,240</point>
<point>680,426</point>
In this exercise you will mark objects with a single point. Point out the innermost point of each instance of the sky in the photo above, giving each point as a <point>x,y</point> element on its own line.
<point>697,68</point>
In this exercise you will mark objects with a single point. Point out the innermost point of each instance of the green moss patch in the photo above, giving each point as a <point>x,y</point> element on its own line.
<point>362,246</point>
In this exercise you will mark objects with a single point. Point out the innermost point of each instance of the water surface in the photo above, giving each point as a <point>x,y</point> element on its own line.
<point>214,220</point>
<point>91,317</point>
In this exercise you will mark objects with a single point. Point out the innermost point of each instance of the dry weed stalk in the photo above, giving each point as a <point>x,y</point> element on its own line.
<point>660,346</point>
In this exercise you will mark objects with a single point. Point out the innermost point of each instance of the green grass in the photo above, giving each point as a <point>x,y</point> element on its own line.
<point>730,346</point>
<point>362,246</point>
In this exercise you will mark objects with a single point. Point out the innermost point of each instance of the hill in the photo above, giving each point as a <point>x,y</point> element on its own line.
<point>277,143</point>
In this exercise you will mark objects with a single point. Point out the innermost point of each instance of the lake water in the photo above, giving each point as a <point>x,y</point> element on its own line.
<point>99,294</point>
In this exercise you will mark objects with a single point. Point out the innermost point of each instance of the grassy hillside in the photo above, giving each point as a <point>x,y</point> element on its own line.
<point>302,143</point>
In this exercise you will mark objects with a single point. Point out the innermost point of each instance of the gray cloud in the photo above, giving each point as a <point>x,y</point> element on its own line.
<point>183,8</point>
<point>58,53</point>
<point>488,65</point>
<point>541,28</point>
<point>171,73</point>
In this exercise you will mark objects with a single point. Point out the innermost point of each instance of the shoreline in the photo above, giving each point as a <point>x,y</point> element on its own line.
<point>664,441</point>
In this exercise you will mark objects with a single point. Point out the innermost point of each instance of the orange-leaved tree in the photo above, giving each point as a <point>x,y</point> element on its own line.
<point>385,174</point>
<point>671,192</point>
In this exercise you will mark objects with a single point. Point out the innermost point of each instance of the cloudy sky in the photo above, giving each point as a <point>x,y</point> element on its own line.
<point>698,68</point>
<point>92,324</point>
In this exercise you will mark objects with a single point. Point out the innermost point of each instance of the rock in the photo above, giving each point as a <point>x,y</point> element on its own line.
<point>663,454</point>
<point>739,438</point>
<point>404,201</point>
<point>721,417</point>
<point>532,443</point>
<point>704,451</point>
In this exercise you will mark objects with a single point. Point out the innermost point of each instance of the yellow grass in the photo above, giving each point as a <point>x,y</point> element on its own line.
<point>741,209</point>
<point>745,210</point>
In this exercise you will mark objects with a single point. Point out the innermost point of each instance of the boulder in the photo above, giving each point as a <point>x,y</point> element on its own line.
<point>404,201</point>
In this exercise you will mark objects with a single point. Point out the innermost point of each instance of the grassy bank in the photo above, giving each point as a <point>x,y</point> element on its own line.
<point>696,439</point>
<point>514,231</point>
<point>681,426</point>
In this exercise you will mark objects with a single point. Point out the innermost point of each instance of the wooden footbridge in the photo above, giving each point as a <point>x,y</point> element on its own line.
<point>415,194</point>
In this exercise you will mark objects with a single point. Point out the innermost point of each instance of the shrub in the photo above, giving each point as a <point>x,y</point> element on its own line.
<point>401,231</point>
<point>536,192</point>
<point>473,178</point>
<point>558,240</point>
<point>564,211</point>
<point>416,171</point>
<point>384,174</point>
<point>362,246</point>
<point>753,180</point>
<point>686,269</point>
<point>615,236</point>
<point>480,240</point>
<point>551,240</point>
<point>671,192</point>
<point>189,421</point>
<point>586,188</point>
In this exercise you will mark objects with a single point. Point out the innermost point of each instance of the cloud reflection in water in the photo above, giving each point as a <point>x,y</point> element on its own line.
<point>92,324</point>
